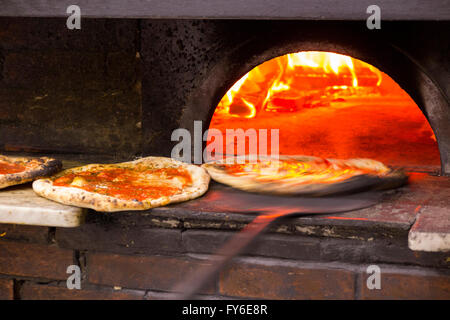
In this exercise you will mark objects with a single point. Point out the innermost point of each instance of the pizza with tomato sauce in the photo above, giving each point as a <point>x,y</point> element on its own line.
<point>18,170</point>
<point>137,185</point>
<point>302,175</point>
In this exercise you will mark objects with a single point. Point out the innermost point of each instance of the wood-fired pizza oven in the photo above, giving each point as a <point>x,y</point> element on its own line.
<point>118,88</point>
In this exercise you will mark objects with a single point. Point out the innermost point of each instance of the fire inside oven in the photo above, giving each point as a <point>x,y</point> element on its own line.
<point>328,105</point>
<point>313,103</point>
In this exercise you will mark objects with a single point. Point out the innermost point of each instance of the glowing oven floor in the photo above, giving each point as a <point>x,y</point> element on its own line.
<point>389,130</point>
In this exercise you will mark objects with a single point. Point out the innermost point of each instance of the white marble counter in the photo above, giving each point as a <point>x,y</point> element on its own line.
<point>20,205</point>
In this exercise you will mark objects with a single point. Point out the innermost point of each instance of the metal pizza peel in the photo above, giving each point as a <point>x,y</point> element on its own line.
<point>268,209</point>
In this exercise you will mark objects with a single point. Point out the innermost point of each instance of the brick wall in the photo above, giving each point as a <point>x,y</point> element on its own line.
<point>133,261</point>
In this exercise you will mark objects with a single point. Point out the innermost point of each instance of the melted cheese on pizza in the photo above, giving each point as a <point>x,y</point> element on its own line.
<point>129,184</point>
<point>292,171</point>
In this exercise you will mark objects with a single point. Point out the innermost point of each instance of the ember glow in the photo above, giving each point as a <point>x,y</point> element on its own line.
<point>329,105</point>
<point>275,84</point>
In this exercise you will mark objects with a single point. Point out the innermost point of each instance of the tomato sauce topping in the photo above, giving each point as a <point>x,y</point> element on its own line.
<point>127,184</point>
<point>8,168</point>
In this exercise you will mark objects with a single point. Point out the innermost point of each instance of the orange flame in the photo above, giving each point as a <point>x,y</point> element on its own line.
<point>328,61</point>
<point>251,107</point>
<point>255,89</point>
<point>235,88</point>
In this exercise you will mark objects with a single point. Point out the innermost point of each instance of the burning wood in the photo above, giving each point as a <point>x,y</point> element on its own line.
<point>332,106</point>
<point>295,81</point>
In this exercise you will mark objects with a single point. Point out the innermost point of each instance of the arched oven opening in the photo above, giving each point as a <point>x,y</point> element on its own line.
<point>327,105</point>
<point>385,75</point>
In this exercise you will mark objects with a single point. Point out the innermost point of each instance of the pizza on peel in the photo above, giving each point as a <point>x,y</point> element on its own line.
<point>19,170</point>
<point>302,175</point>
<point>137,185</point>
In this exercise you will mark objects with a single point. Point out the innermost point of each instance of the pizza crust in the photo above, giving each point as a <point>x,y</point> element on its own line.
<point>45,167</point>
<point>86,199</point>
<point>383,177</point>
